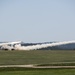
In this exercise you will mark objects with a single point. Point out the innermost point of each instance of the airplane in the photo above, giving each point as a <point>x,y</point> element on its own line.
<point>9,45</point>
<point>18,45</point>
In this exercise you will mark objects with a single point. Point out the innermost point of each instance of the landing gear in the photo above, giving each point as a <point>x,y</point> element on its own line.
<point>12,49</point>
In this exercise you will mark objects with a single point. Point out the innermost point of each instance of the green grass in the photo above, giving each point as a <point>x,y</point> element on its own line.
<point>40,72</point>
<point>58,64</point>
<point>40,57</point>
<point>37,57</point>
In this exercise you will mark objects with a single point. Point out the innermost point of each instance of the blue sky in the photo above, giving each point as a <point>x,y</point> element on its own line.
<point>37,20</point>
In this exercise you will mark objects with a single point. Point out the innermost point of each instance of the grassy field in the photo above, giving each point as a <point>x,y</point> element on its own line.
<point>37,57</point>
<point>40,57</point>
<point>40,72</point>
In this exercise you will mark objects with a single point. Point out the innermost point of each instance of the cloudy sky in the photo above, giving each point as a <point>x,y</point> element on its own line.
<point>37,20</point>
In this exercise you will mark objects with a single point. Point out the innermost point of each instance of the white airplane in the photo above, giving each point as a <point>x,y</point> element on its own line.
<point>9,45</point>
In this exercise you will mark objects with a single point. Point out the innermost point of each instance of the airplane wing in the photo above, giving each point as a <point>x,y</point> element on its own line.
<point>17,42</point>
